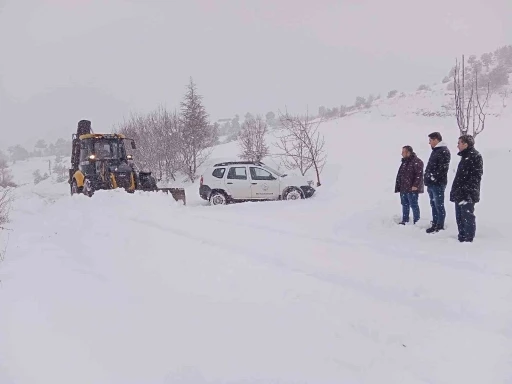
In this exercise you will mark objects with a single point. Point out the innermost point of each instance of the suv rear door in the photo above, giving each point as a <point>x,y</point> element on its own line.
<point>237,182</point>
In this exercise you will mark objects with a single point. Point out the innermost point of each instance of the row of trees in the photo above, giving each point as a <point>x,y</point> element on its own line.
<point>341,111</point>
<point>231,128</point>
<point>359,103</point>
<point>493,69</point>
<point>59,168</point>
<point>60,147</point>
<point>173,142</point>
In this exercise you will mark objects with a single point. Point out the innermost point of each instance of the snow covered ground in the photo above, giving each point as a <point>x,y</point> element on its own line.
<point>137,288</point>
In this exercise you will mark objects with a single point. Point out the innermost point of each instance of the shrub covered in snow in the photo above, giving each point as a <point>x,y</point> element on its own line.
<point>5,205</point>
<point>38,177</point>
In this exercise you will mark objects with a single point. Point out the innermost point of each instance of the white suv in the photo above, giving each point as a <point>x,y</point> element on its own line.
<point>245,181</point>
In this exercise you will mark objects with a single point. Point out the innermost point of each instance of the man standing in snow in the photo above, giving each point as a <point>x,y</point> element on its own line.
<point>409,183</point>
<point>436,179</point>
<point>465,191</point>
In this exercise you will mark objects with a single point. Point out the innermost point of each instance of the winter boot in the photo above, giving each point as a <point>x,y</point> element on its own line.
<point>433,229</point>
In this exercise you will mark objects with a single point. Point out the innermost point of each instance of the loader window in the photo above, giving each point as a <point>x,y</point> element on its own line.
<point>85,149</point>
<point>107,150</point>
<point>102,150</point>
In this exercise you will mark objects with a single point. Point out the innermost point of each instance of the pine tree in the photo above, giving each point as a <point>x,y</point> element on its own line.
<point>197,134</point>
<point>252,139</point>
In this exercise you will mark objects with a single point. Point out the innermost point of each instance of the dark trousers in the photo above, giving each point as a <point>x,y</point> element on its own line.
<point>436,195</point>
<point>466,220</point>
<point>410,201</point>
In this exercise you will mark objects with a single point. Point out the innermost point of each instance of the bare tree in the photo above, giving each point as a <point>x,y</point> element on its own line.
<point>504,93</point>
<point>469,111</point>
<point>165,130</point>
<point>294,152</point>
<point>302,145</point>
<point>252,139</point>
<point>158,142</point>
<point>137,127</point>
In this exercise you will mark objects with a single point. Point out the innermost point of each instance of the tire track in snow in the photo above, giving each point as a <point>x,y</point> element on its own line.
<point>428,308</point>
<point>348,240</point>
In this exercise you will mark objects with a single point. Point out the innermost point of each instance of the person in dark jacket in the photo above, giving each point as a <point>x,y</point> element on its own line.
<point>465,192</point>
<point>409,183</point>
<point>436,179</point>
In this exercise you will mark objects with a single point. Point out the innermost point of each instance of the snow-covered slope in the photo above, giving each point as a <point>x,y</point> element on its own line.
<point>138,289</point>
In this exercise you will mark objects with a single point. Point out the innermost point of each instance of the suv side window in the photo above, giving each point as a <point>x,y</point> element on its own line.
<point>219,173</point>
<point>260,174</point>
<point>237,173</point>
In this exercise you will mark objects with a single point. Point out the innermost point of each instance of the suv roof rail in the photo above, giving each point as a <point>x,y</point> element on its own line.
<point>239,162</point>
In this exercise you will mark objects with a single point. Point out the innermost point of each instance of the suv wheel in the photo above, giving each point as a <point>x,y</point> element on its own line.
<point>293,194</point>
<point>218,198</point>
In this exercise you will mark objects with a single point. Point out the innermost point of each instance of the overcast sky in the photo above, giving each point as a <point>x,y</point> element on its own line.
<point>66,60</point>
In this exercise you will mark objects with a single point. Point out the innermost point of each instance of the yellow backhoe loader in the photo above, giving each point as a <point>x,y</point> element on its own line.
<point>100,161</point>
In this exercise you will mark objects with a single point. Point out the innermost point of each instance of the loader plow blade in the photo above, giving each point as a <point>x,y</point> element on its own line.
<point>177,193</point>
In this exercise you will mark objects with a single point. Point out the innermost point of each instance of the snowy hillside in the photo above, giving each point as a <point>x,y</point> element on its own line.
<point>123,288</point>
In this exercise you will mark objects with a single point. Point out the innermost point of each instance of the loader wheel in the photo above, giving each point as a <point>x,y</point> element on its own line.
<point>218,198</point>
<point>75,189</point>
<point>87,189</point>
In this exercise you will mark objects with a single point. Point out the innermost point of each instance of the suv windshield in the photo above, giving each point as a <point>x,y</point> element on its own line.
<point>108,150</point>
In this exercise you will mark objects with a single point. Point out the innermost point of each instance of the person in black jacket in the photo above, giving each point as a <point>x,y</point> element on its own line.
<point>436,179</point>
<point>465,191</point>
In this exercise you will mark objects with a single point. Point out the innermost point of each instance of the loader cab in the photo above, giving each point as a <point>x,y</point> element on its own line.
<point>100,161</point>
<point>110,149</point>
<point>89,150</point>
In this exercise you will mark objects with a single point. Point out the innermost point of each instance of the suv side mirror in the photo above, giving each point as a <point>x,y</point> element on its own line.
<point>133,145</point>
